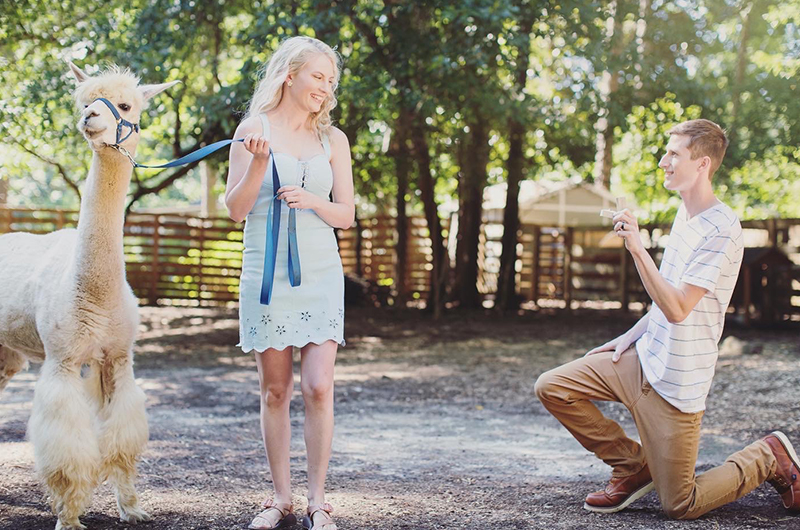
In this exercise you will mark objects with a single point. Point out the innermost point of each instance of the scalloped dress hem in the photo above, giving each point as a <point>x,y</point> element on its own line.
<point>248,347</point>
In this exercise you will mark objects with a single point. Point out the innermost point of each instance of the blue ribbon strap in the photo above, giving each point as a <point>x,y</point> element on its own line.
<point>294,252</point>
<point>194,156</point>
<point>271,245</point>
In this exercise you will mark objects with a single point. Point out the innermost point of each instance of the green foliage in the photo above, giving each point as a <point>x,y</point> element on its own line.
<point>450,62</point>
<point>767,186</point>
<point>636,172</point>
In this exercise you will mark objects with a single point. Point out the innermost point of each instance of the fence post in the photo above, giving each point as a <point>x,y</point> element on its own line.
<point>772,230</point>
<point>568,236</point>
<point>747,293</point>
<point>200,279</point>
<point>358,245</point>
<point>537,235</point>
<point>155,273</point>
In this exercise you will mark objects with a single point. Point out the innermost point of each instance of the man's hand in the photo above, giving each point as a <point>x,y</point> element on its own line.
<point>618,346</point>
<point>627,227</point>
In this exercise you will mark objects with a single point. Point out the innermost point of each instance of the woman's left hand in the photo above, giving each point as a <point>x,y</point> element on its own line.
<point>297,197</point>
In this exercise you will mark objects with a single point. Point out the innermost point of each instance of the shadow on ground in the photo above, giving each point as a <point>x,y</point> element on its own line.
<point>437,426</point>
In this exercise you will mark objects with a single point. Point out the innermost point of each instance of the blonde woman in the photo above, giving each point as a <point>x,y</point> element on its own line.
<point>292,287</point>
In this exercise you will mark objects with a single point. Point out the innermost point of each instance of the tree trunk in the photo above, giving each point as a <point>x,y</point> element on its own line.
<point>3,191</point>
<point>642,46</point>
<point>399,151</point>
<point>471,211</point>
<point>426,184</point>
<point>741,66</point>
<point>608,88</point>
<point>506,283</point>
<point>208,181</point>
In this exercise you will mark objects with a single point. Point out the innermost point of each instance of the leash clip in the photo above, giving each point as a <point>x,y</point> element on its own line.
<point>126,153</point>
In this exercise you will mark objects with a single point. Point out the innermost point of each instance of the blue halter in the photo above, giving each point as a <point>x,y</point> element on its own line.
<point>121,122</point>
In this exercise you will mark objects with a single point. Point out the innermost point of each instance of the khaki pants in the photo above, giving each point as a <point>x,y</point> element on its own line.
<point>669,437</point>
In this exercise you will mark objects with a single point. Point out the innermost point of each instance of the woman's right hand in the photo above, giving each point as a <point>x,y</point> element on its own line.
<point>246,168</point>
<point>257,145</point>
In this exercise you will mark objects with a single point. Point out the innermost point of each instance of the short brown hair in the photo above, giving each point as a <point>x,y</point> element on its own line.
<point>706,138</point>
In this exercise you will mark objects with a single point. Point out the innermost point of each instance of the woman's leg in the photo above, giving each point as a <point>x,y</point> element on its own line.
<point>277,383</point>
<point>316,382</point>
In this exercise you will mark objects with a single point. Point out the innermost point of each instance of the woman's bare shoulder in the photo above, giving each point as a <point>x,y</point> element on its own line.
<point>337,137</point>
<point>250,125</point>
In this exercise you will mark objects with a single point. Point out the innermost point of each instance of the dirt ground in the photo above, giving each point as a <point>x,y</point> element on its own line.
<point>437,426</point>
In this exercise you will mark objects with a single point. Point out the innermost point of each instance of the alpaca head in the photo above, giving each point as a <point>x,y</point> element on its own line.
<point>97,122</point>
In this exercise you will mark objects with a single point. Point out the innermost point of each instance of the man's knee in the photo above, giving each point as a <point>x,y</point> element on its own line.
<point>680,509</point>
<point>545,386</point>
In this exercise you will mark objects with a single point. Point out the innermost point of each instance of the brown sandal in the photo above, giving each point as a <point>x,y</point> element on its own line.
<point>287,520</point>
<point>327,510</point>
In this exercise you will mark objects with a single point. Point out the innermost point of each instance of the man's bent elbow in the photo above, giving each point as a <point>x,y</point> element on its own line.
<point>676,317</point>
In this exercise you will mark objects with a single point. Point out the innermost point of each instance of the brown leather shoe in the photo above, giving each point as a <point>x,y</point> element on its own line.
<point>620,492</point>
<point>786,478</point>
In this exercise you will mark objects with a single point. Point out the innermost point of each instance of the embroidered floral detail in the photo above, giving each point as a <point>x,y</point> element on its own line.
<point>305,316</point>
<point>334,323</point>
<point>252,331</point>
<point>341,313</point>
<point>266,319</point>
<point>281,330</point>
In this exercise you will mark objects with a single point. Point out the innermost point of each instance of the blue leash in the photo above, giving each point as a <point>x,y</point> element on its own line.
<point>273,216</point>
<point>273,222</point>
<point>134,127</point>
<point>271,246</point>
<point>192,157</point>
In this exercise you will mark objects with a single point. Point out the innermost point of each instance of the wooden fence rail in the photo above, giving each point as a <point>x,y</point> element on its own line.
<point>591,263</point>
<point>178,259</point>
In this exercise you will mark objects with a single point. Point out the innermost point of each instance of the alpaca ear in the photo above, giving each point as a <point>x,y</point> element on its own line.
<point>79,74</point>
<point>148,91</point>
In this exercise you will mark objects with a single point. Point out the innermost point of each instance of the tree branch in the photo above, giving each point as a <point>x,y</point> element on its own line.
<point>368,32</point>
<point>63,172</point>
<point>167,182</point>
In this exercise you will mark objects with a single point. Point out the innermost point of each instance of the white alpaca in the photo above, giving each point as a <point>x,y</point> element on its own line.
<point>64,301</point>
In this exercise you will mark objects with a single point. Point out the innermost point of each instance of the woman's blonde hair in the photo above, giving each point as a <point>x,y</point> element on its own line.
<point>288,59</point>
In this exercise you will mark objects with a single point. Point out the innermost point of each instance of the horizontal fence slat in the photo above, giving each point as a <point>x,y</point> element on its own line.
<point>176,257</point>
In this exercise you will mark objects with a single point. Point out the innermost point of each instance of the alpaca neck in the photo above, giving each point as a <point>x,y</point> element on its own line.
<point>100,262</point>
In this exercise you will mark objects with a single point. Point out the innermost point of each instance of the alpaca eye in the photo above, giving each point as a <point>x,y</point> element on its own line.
<point>124,106</point>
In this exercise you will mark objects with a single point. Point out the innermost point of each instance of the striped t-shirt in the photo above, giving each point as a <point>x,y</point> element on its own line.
<point>679,359</point>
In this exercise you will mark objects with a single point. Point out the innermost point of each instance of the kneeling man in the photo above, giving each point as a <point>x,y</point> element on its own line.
<point>661,369</point>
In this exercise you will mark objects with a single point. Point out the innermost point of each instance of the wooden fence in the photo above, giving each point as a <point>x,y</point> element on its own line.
<point>173,258</point>
<point>178,259</point>
<point>590,263</point>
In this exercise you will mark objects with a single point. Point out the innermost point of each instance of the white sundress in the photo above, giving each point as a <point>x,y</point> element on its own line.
<point>314,310</point>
